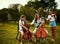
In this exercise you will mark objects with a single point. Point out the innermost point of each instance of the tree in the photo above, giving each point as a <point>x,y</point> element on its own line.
<point>14,11</point>
<point>28,12</point>
<point>4,14</point>
<point>58,15</point>
<point>41,12</point>
<point>44,3</point>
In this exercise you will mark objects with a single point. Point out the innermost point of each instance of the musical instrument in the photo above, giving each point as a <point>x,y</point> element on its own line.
<point>41,33</point>
<point>27,33</point>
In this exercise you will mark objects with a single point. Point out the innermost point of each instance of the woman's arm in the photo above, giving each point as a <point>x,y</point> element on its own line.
<point>32,22</point>
<point>24,26</point>
<point>49,18</point>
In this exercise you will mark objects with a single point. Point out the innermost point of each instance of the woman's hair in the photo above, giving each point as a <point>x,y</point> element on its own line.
<point>22,16</point>
<point>36,17</point>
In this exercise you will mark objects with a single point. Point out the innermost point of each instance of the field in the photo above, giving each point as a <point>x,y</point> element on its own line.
<point>8,32</point>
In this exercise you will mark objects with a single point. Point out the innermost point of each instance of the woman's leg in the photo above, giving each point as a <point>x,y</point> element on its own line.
<point>34,32</point>
<point>21,37</point>
<point>46,31</point>
<point>53,29</point>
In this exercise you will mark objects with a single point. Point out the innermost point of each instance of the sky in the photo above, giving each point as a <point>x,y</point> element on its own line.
<point>6,3</point>
<point>58,3</point>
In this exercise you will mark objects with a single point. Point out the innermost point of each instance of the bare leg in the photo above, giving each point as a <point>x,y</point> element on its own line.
<point>53,33</point>
<point>21,39</point>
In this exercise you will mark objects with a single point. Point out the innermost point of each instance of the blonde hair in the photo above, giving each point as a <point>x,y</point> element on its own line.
<point>22,16</point>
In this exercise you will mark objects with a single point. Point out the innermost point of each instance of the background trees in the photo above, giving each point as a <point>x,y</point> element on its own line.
<point>14,11</point>
<point>3,14</point>
<point>58,15</point>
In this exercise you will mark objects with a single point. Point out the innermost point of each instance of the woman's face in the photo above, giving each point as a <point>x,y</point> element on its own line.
<point>50,12</point>
<point>37,15</point>
<point>23,18</point>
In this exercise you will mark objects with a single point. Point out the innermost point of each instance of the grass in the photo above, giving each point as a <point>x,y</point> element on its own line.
<point>8,33</point>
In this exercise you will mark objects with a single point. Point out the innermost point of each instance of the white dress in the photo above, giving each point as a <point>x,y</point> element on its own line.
<point>20,27</point>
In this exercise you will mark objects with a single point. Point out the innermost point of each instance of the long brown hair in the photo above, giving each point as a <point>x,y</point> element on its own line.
<point>36,17</point>
<point>22,16</point>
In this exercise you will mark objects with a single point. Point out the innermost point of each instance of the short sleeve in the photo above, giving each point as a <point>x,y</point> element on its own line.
<point>19,22</point>
<point>49,17</point>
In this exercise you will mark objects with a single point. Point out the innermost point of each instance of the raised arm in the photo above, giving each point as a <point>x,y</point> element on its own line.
<point>32,22</point>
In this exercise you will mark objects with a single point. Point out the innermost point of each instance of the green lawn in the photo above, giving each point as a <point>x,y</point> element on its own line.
<point>8,33</point>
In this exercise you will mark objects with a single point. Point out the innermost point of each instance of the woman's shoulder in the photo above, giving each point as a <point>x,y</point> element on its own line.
<point>19,21</point>
<point>49,16</point>
<point>40,18</point>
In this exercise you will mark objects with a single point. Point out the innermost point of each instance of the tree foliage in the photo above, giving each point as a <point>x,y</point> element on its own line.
<point>3,14</point>
<point>58,15</point>
<point>28,10</point>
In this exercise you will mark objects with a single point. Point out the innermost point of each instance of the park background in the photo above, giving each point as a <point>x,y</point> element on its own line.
<point>9,18</point>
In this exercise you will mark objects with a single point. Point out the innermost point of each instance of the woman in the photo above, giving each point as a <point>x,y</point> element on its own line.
<point>52,22</point>
<point>21,26</point>
<point>38,22</point>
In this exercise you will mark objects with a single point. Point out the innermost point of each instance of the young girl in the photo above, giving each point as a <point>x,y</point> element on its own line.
<point>21,26</point>
<point>52,22</point>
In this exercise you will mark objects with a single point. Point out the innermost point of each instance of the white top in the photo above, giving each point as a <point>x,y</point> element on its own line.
<point>20,27</point>
<point>34,22</point>
<point>51,18</point>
